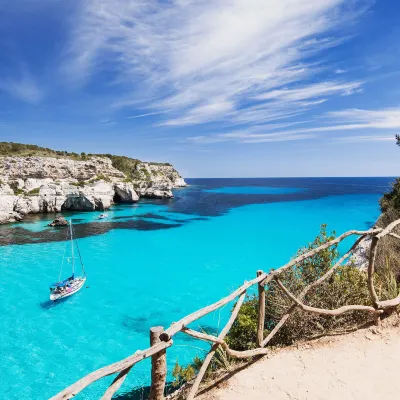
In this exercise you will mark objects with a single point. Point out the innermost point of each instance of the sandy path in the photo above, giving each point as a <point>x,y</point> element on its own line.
<point>363,365</point>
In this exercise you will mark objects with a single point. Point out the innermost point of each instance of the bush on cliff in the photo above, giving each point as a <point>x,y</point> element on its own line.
<point>124,164</point>
<point>389,248</point>
<point>391,201</point>
<point>346,287</point>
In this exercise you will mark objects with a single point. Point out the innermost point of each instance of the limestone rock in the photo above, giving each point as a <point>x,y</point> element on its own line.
<point>27,205</point>
<point>7,217</point>
<point>124,192</point>
<point>360,257</point>
<point>157,193</point>
<point>7,199</point>
<point>57,168</point>
<point>45,184</point>
<point>59,221</point>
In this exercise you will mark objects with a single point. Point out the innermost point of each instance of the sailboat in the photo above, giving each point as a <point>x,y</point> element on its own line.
<point>73,284</point>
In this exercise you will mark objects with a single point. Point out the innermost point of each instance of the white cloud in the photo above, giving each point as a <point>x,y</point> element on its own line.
<point>364,138</point>
<point>311,91</point>
<point>339,121</point>
<point>23,88</point>
<point>145,115</point>
<point>205,60</point>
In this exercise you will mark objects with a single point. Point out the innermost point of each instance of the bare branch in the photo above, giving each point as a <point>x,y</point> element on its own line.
<point>311,253</point>
<point>177,326</point>
<point>214,347</point>
<point>338,311</point>
<point>202,336</point>
<point>303,293</point>
<point>130,361</point>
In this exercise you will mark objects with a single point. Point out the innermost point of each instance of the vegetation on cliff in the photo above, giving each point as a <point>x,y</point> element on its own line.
<point>347,286</point>
<point>129,166</point>
<point>390,202</point>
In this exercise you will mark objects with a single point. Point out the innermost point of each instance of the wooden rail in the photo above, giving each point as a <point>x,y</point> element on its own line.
<point>160,340</point>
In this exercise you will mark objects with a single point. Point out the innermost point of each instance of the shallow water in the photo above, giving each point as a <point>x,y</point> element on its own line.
<point>151,264</point>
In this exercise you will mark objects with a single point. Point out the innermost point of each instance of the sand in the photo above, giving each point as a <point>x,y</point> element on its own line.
<point>362,365</point>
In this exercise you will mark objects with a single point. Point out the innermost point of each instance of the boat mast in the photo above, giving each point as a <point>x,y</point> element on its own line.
<point>72,247</point>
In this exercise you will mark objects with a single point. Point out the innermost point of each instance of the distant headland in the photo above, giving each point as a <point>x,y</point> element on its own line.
<point>35,179</point>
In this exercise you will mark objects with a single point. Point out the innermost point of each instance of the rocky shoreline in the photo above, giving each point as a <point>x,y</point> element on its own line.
<point>30,185</point>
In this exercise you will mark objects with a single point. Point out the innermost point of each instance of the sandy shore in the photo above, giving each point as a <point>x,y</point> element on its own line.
<point>360,366</point>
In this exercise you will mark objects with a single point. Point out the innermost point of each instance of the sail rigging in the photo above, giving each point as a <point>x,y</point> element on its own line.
<point>69,286</point>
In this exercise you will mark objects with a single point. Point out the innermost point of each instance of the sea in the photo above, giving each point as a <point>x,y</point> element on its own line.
<point>150,264</point>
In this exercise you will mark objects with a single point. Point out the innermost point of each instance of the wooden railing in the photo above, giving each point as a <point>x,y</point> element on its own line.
<point>161,339</point>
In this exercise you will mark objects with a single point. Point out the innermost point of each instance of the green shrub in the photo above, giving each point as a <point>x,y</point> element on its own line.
<point>220,362</point>
<point>34,192</point>
<point>391,200</point>
<point>242,336</point>
<point>101,177</point>
<point>185,374</point>
<point>78,184</point>
<point>124,164</point>
<point>346,287</point>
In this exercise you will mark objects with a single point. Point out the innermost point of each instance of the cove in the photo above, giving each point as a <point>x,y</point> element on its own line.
<point>194,250</point>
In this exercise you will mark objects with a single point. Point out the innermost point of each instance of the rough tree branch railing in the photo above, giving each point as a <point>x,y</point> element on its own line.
<point>160,340</point>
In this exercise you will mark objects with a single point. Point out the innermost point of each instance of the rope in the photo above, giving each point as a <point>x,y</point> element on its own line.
<point>65,251</point>
<point>79,252</point>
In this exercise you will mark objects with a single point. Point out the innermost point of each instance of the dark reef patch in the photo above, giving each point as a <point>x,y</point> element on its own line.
<point>153,216</point>
<point>142,324</point>
<point>195,200</point>
<point>198,203</point>
<point>16,235</point>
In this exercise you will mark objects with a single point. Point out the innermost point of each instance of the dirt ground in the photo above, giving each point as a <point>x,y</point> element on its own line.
<point>359,366</point>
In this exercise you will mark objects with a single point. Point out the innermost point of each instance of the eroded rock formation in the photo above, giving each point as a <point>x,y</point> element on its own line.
<point>45,184</point>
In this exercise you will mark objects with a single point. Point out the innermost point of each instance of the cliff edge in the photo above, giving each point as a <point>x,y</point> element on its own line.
<point>68,181</point>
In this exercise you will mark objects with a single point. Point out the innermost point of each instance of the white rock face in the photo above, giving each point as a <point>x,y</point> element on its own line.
<point>157,180</point>
<point>7,200</point>
<point>57,168</point>
<point>360,257</point>
<point>44,184</point>
<point>125,192</point>
<point>7,217</point>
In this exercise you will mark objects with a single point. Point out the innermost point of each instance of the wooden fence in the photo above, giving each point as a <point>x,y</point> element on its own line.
<point>161,339</point>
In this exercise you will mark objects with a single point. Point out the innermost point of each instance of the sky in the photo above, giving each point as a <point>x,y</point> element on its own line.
<point>219,88</point>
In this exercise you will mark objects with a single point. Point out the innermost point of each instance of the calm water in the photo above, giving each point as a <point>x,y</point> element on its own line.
<point>150,264</point>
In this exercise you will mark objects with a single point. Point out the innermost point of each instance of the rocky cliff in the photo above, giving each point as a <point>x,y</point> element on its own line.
<point>33,184</point>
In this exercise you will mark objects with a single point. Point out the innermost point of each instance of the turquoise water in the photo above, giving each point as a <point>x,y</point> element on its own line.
<point>254,190</point>
<point>151,264</point>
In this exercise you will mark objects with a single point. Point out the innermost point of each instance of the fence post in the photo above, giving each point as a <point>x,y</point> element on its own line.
<point>158,366</point>
<point>261,311</point>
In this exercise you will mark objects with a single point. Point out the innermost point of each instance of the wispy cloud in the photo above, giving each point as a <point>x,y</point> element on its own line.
<point>145,115</point>
<point>249,138</point>
<point>361,138</point>
<point>243,61</point>
<point>23,88</point>
<point>339,121</point>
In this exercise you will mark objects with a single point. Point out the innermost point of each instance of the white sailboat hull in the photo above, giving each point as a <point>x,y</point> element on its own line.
<point>75,286</point>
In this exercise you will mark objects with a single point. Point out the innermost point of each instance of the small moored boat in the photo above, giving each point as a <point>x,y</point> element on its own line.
<point>73,284</point>
<point>102,216</point>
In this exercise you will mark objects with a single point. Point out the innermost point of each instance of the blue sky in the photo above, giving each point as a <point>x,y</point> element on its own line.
<point>219,88</point>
